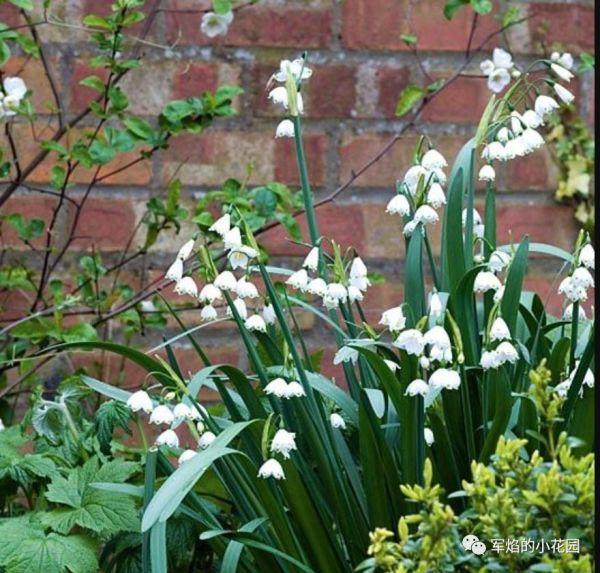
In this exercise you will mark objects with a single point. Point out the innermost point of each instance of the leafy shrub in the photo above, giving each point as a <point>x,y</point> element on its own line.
<point>514,498</point>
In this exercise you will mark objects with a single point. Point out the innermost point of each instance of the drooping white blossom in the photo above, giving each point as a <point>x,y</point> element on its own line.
<point>428,435</point>
<point>398,205</point>
<point>587,257</point>
<point>426,215</point>
<point>298,280</point>
<point>208,313</point>
<point>295,68</point>
<point>182,411</point>
<point>168,438</point>
<point>355,294</point>
<point>417,387</point>
<point>246,289</point>
<point>256,323</point>
<point>498,261</point>
<point>487,173</point>
<point>283,443</point>
<point>186,250</point>
<point>507,352</point>
<point>436,306</point>
<point>445,378</point>
<point>337,421</point>
<point>277,387</point>
<point>545,105</point>
<point>226,281</point>
<point>581,277</point>
<point>311,262</point>
<point>285,129</point>
<point>499,330</point>
<point>140,400</point>
<point>268,314</point>
<point>240,307</point>
<point>239,257</point>
<point>485,281</point>
<point>436,196</point>
<point>294,390</point>
<point>271,468</point>
<point>412,177</point>
<point>222,225</point>
<point>411,341</point>
<point>175,271</point>
<point>232,239</point>
<point>206,439</point>
<point>394,319</point>
<point>162,414</point>
<point>568,313</point>
<point>14,90</point>
<point>571,290</point>
<point>358,269</point>
<point>433,159</point>
<point>531,119</point>
<point>210,293</point>
<point>186,456</point>
<point>561,72</point>
<point>186,286</point>
<point>317,287</point>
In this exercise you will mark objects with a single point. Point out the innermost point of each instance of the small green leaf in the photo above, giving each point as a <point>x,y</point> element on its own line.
<point>93,82</point>
<point>95,21</point>
<point>24,4</point>
<point>482,6</point>
<point>409,39</point>
<point>409,97</point>
<point>222,6</point>
<point>452,7</point>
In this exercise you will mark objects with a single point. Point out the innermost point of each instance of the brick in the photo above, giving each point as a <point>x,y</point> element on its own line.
<point>380,297</point>
<point>315,150</point>
<point>552,224</point>
<point>82,96</point>
<point>105,223</point>
<point>462,101</point>
<point>295,25</point>
<point>532,173</point>
<point>570,26</point>
<point>390,82</point>
<point>378,25</point>
<point>213,157</point>
<point>383,233</point>
<point>343,223</point>
<point>357,150</point>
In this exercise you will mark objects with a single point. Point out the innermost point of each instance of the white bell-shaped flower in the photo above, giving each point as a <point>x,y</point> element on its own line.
<point>568,313</point>
<point>206,439</point>
<point>417,387</point>
<point>433,159</point>
<point>561,72</point>
<point>241,308</point>
<point>337,291</point>
<point>182,411</point>
<point>587,257</point>
<point>545,105</point>
<point>226,281</point>
<point>571,290</point>
<point>246,289</point>
<point>285,129</point>
<point>445,378</point>
<point>271,468</point>
<point>487,173</point>
<point>186,456</point>
<point>298,280</point>
<point>413,176</point>
<point>317,287</point>
<point>428,436</point>
<point>361,283</point>
<point>296,68</point>
<point>435,196</point>
<point>393,366</point>
<point>532,119</point>
<point>358,269</point>
<point>232,239</point>
<point>394,319</point>
<point>186,286</point>
<point>268,314</point>
<point>208,313</point>
<point>354,294</point>
<point>214,24</point>
<point>336,421</point>
<point>581,277</point>
<point>426,215</point>
<point>168,438</point>
<point>485,281</point>
<point>210,293</point>
<point>489,359</point>
<point>175,271</point>
<point>283,443</point>
<point>277,387</point>
<point>239,257</point>
<point>140,400</point>
<point>162,414</point>
<point>436,306</point>
<point>256,323</point>
<point>221,226</point>
<point>499,330</point>
<point>507,352</point>
<point>499,260</point>
<point>186,250</point>
<point>398,205</point>
<point>311,262</point>
<point>411,341</point>
<point>294,390</point>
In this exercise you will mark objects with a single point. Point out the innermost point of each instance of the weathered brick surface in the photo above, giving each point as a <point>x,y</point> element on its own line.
<point>360,67</point>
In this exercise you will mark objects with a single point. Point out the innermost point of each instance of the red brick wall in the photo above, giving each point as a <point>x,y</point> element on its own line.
<point>360,66</point>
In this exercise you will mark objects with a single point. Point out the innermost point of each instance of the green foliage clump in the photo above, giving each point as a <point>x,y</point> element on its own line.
<point>512,498</point>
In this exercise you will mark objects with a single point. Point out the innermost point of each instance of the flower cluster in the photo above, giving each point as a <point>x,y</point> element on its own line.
<point>517,136</point>
<point>167,414</point>
<point>333,293</point>
<point>290,74</point>
<point>12,92</point>
<point>500,350</point>
<point>575,286</point>
<point>421,192</point>
<point>498,70</point>
<point>239,256</point>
